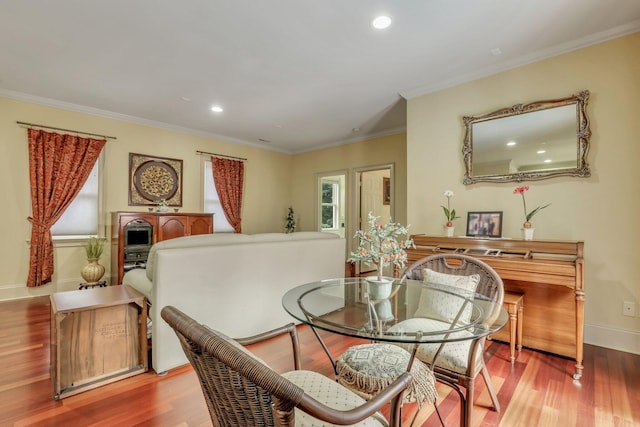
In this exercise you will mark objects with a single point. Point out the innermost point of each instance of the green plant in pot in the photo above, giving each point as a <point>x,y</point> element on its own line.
<point>93,272</point>
<point>379,246</point>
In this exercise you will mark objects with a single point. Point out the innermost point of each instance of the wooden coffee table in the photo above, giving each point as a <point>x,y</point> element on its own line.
<point>98,336</point>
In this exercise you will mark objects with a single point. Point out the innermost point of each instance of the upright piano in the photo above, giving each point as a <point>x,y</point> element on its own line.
<point>550,274</point>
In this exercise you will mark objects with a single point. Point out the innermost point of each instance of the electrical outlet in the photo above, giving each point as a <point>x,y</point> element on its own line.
<point>629,308</point>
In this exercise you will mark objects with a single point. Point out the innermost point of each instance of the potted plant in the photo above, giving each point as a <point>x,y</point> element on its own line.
<point>527,229</point>
<point>379,247</point>
<point>93,272</point>
<point>449,213</point>
<point>290,222</point>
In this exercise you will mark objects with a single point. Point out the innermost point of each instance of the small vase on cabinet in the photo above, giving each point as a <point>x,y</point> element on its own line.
<point>527,231</point>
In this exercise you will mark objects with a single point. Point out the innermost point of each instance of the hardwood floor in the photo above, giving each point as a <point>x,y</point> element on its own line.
<point>536,391</point>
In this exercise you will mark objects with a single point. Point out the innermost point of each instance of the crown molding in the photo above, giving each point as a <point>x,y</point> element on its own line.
<point>25,97</point>
<point>525,60</point>
<point>361,138</point>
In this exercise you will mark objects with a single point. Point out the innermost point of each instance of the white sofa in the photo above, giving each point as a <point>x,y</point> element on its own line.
<point>230,282</point>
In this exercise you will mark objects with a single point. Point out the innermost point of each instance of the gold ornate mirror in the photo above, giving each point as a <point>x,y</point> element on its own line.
<point>528,142</point>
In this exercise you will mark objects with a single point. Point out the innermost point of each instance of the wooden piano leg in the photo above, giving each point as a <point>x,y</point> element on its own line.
<point>579,333</point>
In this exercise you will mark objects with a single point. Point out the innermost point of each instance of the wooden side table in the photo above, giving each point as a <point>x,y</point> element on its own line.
<point>98,336</point>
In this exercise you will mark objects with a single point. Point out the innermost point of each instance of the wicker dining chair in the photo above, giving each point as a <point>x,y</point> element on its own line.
<point>242,391</point>
<point>459,363</point>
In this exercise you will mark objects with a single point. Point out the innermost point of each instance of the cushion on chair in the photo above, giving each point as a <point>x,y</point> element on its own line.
<point>368,368</point>
<point>454,356</point>
<point>441,306</point>
<point>331,394</point>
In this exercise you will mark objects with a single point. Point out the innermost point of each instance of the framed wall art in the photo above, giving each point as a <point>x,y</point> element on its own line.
<point>153,178</point>
<point>484,224</point>
<point>386,190</point>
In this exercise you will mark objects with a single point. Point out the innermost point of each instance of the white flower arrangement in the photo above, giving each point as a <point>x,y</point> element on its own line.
<point>379,245</point>
<point>448,212</point>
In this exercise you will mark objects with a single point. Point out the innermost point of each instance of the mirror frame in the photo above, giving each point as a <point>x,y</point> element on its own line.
<point>583,134</point>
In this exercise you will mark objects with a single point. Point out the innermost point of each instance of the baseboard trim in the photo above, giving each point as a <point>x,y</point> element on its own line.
<point>612,338</point>
<point>11,292</point>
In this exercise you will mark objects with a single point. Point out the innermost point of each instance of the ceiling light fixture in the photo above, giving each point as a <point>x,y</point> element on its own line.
<point>381,22</point>
<point>217,109</point>
<point>541,151</point>
<point>548,161</point>
<point>511,143</point>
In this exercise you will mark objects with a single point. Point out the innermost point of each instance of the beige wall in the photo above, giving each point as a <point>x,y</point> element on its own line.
<point>267,184</point>
<point>348,158</point>
<point>600,210</point>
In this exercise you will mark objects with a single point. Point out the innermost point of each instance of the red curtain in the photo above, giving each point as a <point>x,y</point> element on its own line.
<point>228,176</point>
<point>59,165</point>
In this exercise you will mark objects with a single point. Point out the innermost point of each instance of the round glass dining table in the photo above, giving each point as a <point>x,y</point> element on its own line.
<point>413,313</point>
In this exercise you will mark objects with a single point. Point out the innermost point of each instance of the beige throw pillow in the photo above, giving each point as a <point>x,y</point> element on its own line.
<point>443,306</point>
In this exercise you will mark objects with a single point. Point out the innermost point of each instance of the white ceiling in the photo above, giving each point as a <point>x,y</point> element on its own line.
<point>301,74</point>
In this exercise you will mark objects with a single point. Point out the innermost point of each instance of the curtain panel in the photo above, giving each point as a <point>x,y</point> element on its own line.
<point>228,177</point>
<point>59,165</point>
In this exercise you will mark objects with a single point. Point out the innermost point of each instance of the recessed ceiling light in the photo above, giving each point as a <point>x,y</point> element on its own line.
<point>511,143</point>
<point>381,22</point>
<point>548,161</point>
<point>217,109</point>
<point>541,151</point>
<point>185,99</point>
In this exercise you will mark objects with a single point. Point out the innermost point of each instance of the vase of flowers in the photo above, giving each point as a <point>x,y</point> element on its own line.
<point>450,214</point>
<point>381,245</point>
<point>527,228</point>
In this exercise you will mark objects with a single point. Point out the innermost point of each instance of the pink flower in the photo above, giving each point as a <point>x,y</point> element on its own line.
<point>521,190</point>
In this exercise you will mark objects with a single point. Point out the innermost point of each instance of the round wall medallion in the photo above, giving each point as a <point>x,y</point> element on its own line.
<point>156,180</point>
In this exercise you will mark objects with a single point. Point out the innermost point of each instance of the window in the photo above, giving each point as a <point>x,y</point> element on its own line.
<point>212,202</point>
<point>330,200</point>
<point>82,216</point>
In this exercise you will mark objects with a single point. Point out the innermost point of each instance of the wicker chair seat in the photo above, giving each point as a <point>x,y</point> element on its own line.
<point>331,394</point>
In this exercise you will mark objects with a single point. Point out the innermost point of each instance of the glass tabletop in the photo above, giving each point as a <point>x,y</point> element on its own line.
<point>409,311</point>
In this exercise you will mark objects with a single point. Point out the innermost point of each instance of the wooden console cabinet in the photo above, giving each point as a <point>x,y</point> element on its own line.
<point>98,336</point>
<point>549,273</point>
<point>165,226</point>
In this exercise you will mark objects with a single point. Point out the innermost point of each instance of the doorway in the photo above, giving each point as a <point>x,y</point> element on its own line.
<point>374,193</point>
